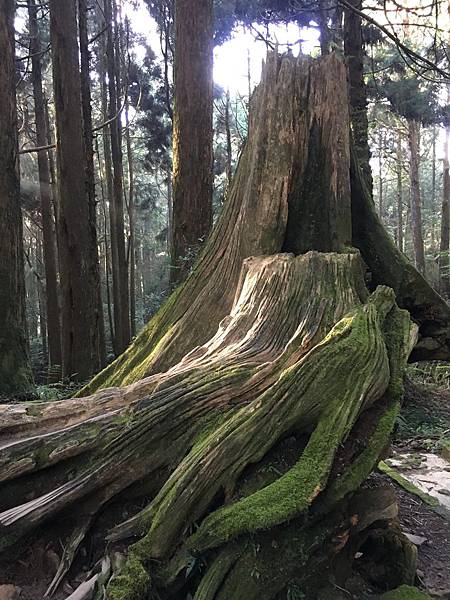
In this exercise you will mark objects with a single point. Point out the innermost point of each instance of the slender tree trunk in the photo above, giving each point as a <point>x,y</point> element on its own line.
<point>90,172</point>
<point>52,171</point>
<point>131,217</point>
<point>444,247</point>
<point>229,171</point>
<point>353,50</point>
<point>399,164</point>
<point>192,133</point>
<point>120,274</point>
<point>416,201</point>
<point>48,225</point>
<point>433,189</point>
<point>111,256</point>
<point>169,212</point>
<point>77,250</point>
<point>380,175</point>
<point>15,372</point>
<point>43,324</point>
<point>325,33</point>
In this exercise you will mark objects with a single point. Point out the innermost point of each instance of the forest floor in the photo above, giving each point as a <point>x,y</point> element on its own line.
<point>422,430</point>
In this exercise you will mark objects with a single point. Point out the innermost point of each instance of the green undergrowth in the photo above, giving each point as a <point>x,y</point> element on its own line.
<point>425,417</point>
<point>133,583</point>
<point>435,374</point>
<point>405,592</point>
<point>57,391</point>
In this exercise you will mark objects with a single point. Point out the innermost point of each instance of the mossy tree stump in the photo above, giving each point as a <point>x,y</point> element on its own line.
<point>252,408</point>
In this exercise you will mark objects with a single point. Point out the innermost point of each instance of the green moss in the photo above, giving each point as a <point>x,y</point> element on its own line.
<point>130,366</point>
<point>283,499</point>
<point>33,409</point>
<point>405,592</point>
<point>354,338</point>
<point>41,456</point>
<point>133,583</point>
<point>363,465</point>
<point>209,426</point>
<point>407,485</point>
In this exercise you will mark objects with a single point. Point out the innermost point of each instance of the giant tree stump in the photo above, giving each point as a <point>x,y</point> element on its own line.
<point>254,405</point>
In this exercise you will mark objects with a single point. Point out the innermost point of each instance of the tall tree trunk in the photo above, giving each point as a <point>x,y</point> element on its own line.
<point>48,225</point>
<point>52,169</point>
<point>380,174</point>
<point>77,250</point>
<point>354,53</point>
<point>192,133</point>
<point>120,272</point>
<point>131,217</point>
<point>111,256</point>
<point>106,237</point>
<point>90,172</point>
<point>444,247</point>
<point>229,171</point>
<point>43,327</point>
<point>15,372</point>
<point>433,189</point>
<point>399,169</point>
<point>416,201</point>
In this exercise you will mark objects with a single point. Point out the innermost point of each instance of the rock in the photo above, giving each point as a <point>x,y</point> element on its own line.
<point>418,540</point>
<point>9,592</point>
<point>441,594</point>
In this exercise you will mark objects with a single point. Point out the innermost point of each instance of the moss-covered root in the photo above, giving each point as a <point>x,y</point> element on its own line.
<point>328,387</point>
<point>133,582</point>
<point>405,592</point>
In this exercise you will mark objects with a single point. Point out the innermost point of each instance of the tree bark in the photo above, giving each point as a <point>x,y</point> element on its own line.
<point>120,272</point>
<point>90,172</point>
<point>273,383</point>
<point>380,175</point>
<point>416,201</point>
<point>77,250</point>
<point>192,133</point>
<point>131,219</point>
<point>48,225</point>
<point>399,168</point>
<point>354,53</point>
<point>229,170</point>
<point>15,372</point>
<point>444,246</point>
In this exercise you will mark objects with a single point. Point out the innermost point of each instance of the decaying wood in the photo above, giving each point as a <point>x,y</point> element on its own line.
<point>302,349</point>
<point>275,204</point>
<point>243,404</point>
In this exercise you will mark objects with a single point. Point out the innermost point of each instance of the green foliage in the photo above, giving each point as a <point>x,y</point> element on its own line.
<point>405,592</point>
<point>435,374</point>
<point>57,391</point>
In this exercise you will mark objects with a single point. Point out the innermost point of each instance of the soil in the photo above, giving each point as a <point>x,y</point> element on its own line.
<point>433,554</point>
